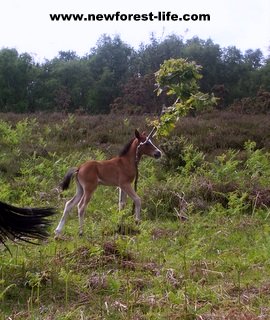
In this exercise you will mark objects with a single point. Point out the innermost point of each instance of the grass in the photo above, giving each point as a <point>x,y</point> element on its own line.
<point>181,262</point>
<point>205,266</point>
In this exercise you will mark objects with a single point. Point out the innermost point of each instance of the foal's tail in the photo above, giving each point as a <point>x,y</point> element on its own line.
<point>23,223</point>
<point>66,182</point>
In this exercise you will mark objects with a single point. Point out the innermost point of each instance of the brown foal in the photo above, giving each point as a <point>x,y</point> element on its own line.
<point>119,171</point>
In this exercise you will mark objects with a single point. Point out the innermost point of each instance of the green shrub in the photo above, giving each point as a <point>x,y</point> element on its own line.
<point>181,155</point>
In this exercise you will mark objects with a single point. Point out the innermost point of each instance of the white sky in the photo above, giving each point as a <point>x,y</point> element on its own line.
<point>26,25</point>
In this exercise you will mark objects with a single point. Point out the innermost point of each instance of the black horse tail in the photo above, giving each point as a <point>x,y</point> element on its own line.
<point>24,223</point>
<point>66,182</point>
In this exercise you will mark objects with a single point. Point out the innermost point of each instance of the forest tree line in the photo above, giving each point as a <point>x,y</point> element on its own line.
<point>113,76</point>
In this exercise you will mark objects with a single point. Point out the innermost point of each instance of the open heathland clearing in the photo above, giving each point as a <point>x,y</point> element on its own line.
<point>201,251</point>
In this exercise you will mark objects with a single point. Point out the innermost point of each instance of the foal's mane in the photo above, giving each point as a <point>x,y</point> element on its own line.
<point>126,148</point>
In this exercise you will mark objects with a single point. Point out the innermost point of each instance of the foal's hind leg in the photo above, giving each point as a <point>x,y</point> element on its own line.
<point>69,205</point>
<point>83,204</point>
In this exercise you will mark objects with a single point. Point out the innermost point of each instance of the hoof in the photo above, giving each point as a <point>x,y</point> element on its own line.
<point>57,235</point>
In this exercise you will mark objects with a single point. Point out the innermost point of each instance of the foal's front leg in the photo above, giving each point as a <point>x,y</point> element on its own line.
<point>122,199</point>
<point>136,199</point>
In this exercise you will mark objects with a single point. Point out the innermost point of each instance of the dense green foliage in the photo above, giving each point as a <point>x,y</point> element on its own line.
<point>179,78</point>
<point>201,251</point>
<point>114,75</point>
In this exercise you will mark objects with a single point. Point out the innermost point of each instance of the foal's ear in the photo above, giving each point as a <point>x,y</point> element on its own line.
<point>137,134</point>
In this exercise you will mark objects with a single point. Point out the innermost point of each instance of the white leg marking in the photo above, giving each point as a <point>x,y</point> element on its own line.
<point>69,205</point>
<point>136,199</point>
<point>122,199</point>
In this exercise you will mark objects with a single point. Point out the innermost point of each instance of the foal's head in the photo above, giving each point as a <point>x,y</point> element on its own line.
<point>146,146</point>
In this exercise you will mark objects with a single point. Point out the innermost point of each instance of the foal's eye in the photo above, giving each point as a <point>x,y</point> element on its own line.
<point>147,143</point>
